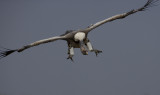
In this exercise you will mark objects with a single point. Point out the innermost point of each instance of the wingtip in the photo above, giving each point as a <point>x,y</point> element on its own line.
<point>5,52</point>
<point>150,3</point>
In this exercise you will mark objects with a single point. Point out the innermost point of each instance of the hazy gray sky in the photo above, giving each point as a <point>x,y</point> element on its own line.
<point>129,64</point>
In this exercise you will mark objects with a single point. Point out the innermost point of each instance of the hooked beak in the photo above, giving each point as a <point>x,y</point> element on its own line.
<point>83,48</point>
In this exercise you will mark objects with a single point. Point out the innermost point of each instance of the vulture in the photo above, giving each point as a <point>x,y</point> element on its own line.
<point>78,38</point>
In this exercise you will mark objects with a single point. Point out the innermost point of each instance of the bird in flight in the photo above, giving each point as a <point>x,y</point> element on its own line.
<point>78,38</point>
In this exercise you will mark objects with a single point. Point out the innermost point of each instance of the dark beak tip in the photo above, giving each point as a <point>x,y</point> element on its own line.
<point>85,53</point>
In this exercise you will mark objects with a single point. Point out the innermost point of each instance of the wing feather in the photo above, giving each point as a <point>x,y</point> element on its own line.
<point>5,52</point>
<point>41,42</point>
<point>149,3</point>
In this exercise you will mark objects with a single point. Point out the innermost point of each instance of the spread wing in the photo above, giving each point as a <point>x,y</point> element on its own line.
<point>5,52</point>
<point>149,3</point>
<point>42,42</point>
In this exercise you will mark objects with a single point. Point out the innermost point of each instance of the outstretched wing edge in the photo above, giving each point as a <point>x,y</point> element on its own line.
<point>42,42</point>
<point>149,3</point>
<point>5,52</point>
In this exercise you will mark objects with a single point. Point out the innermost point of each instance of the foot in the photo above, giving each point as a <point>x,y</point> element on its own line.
<point>70,57</point>
<point>96,51</point>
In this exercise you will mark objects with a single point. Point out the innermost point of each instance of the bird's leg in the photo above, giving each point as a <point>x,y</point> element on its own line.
<point>90,48</point>
<point>96,51</point>
<point>70,53</point>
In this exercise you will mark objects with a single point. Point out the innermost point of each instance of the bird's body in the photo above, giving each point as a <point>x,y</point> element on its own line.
<point>78,38</point>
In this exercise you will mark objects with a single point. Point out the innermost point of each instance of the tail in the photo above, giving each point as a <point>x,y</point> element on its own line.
<point>5,52</point>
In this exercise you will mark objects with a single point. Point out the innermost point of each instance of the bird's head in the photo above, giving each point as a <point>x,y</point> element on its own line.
<point>84,50</point>
<point>80,36</point>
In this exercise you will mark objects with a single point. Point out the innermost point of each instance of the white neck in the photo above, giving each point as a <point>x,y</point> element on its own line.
<point>79,36</point>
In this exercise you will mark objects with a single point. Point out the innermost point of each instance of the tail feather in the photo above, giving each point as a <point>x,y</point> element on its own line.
<point>5,52</point>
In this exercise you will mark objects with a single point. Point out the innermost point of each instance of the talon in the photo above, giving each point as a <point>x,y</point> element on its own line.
<point>70,57</point>
<point>96,51</point>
